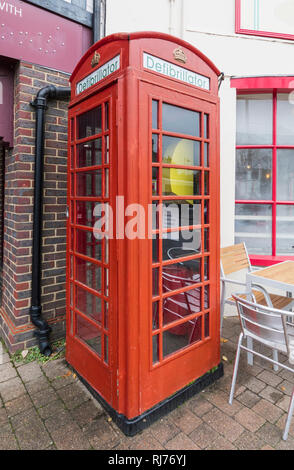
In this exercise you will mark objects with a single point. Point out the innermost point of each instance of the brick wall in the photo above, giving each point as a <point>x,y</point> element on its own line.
<point>15,326</point>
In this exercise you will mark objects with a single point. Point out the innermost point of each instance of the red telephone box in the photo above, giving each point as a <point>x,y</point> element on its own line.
<point>143,327</point>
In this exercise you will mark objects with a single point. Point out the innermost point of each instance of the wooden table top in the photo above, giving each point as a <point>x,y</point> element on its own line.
<point>281,272</point>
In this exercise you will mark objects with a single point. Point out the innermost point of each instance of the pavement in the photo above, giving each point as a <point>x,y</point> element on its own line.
<point>45,406</point>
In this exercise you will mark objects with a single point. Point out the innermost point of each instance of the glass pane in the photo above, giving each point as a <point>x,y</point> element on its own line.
<point>106,116</point>
<point>206,297</point>
<point>106,183</point>
<point>254,119</point>
<point>285,230</point>
<point>154,114</point>
<point>206,268</point>
<point>206,211</point>
<point>106,349</point>
<point>181,182</point>
<point>181,336</point>
<point>285,119</point>
<point>155,315</point>
<point>178,306</point>
<point>206,126</point>
<point>106,315</point>
<point>89,334</point>
<point>88,245</point>
<point>155,248</point>
<point>88,183</point>
<point>206,155</point>
<point>89,123</point>
<point>253,225</point>
<point>155,349</point>
<point>179,275</point>
<point>89,153</point>
<point>88,273</point>
<point>181,243</point>
<point>180,120</point>
<point>155,180</point>
<point>254,174</point>
<point>106,149</point>
<point>155,215</point>
<point>155,154</point>
<point>155,281</point>
<point>182,152</point>
<point>180,213</point>
<point>84,213</point>
<point>206,183</point>
<point>206,239</point>
<point>89,304</point>
<point>285,175</point>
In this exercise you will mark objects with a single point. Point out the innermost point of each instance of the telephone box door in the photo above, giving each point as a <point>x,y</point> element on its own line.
<point>91,265</point>
<point>181,262</point>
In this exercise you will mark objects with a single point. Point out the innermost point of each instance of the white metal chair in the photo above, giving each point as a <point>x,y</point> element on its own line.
<point>270,327</point>
<point>235,259</point>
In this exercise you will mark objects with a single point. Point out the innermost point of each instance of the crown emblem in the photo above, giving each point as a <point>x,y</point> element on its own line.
<point>95,59</point>
<point>179,55</point>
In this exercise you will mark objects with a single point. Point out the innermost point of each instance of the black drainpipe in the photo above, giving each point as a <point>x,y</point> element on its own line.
<point>40,105</point>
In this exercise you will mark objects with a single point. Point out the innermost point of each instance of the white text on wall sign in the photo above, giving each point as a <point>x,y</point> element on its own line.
<point>174,71</point>
<point>104,71</point>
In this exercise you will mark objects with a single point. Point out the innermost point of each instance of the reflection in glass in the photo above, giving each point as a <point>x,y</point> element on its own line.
<point>285,120</point>
<point>181,336</point>
<point>254,174</point>
<point>178,306</point>
<point>182,152</point>
<point>89,334</point>
<point>179,275</point>
<point>285,230</point>
<point>106,149</point>
<point>285,174</point>
<point>89,123</point>
<point>180,213</point>
<point>206,240</point>
<point>253,225</point>
<point>255,119</point>
<point>88,304</point>
<point>181,182</point>
<point>180,120</point>
<point>88,274</point>
<point>181,243</point>
<point>89,153</point>
<point>206,183</point>
<point>105,315</point>
<point>88,183</point>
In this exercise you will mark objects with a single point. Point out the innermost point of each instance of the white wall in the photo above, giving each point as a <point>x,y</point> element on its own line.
<point>210,27</point>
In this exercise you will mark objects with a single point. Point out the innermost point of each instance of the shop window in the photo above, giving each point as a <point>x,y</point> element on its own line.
<point>271,18</point>
<point>264,212</point>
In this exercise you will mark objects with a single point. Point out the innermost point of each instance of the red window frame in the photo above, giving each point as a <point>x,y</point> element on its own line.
<point>273,85</point>
<point>269,34</point>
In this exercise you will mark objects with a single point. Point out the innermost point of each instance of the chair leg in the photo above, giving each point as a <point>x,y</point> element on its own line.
<point>290,412</point>
<point>222,306</point>
<point>235,369</point>
<point>275,358</point>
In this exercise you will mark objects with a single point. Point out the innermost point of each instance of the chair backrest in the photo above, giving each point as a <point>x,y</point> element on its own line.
<point>234,258</point>
<point>268,325</point>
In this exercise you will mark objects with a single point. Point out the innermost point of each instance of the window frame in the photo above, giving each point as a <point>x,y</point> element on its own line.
<point>254,32</point>
<point>263,85</point>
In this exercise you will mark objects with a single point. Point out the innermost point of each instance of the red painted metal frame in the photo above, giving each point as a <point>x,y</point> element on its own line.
<point>137,384</point>
<point>272,85</point>
<point>253,32</point>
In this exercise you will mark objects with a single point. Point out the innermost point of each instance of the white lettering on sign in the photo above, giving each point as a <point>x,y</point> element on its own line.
<point>10,8</point>
<point>174,71</point>
<point>104,71</point>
